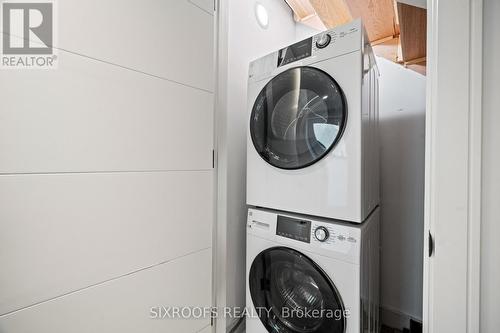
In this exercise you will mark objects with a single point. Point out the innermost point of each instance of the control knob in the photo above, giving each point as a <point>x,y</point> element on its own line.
<point>321,234</point>
<point>323,41</point>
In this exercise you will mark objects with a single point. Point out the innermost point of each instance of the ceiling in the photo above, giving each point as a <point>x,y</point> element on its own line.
<point>397,30</point>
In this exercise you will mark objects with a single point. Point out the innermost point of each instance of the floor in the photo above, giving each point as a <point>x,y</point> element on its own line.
<point>386,329</point>
<point>415,327</point>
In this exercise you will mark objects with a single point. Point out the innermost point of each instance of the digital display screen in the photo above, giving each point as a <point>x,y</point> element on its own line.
<point>295,52</point>
<point>293,228</point>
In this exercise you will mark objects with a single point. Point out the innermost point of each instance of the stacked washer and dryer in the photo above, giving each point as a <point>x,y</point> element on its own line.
<point>313,187</point>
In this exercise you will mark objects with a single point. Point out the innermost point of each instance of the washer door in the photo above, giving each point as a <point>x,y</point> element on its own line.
<point>298,117</point>
<point>291,294</point>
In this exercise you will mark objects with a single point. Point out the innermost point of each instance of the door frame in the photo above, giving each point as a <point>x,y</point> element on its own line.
<point>451,297</point>
<point>220,324</point>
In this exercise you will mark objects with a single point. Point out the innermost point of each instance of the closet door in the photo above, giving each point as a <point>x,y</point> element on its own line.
<point>453,168</point>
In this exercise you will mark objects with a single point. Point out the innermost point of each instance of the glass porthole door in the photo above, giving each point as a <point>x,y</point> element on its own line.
<point>298,117</point>
<point>291,294</point>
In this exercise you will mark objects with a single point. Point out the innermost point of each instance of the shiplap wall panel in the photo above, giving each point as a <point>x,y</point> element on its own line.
<point>90,116</point>
<point>148,35</point>
<point>79,204</point>
<point>60,233</point>
<point>205,5</point>
<point>124,305</point>
<point>207,329</point>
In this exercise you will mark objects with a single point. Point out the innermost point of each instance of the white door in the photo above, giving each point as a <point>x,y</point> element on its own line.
<point>106,172</point>
<point>453,170</point>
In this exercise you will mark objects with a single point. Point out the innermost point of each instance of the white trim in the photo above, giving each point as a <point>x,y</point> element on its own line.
<point>220,101</point>
<point>475,165</point>
<point>432,55</point>
<point>468,225</point>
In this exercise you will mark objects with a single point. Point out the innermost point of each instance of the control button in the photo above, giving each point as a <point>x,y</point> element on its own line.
<point>321,234</point>
<point>341,237</point>
<point>323,41</point>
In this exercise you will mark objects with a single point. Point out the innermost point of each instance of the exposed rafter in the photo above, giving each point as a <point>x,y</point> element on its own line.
<point>396,30</point>
<point>378,17</point>
<point>332,12</point>
<point>413,32</point>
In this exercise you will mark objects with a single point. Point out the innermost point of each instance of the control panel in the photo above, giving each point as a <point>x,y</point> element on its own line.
<point>323,234</point>
<point>295,52</point>
<point>297,229</point>
<point>306,233</point>
<point>328,44</point>
<point>305,48</point>
<point>308,47</point>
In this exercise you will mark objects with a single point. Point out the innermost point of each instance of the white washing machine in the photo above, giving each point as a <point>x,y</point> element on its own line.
<point>312,145</point>
<point>309,275</point>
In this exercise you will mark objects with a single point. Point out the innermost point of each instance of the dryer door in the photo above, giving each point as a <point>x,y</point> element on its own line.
<point>292,294</point>
<point>298,117</point>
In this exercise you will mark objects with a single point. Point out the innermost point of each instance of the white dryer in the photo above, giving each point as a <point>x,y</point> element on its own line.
<point>312,145</point>
<point>309,275</point>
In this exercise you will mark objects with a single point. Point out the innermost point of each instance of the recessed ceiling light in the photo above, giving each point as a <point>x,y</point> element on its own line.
<point>261,15</point>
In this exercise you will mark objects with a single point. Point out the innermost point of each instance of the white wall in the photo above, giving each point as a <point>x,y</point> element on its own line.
<point>101,163</point>
<point>402,141</point>
<point>490,225</point>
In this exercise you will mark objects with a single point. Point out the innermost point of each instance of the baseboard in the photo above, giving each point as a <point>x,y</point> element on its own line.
<point>396,319</point>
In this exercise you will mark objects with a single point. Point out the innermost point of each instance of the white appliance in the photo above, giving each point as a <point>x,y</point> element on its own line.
<point>297,265</point>
<point>312,144</point>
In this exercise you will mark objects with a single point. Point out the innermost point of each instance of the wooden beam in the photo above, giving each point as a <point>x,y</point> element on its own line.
<point>420,68</point>
<point>387,49</point>
<point>396,31</point>
<point>415,61</point>
<point>378,17</point>
<point>396,17</point>
<point>332,12</point>
<point>302,9</point>
<point>382,40</point>
<point>314,22</point>
<point>320,14</point>
<point>413,26</point>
